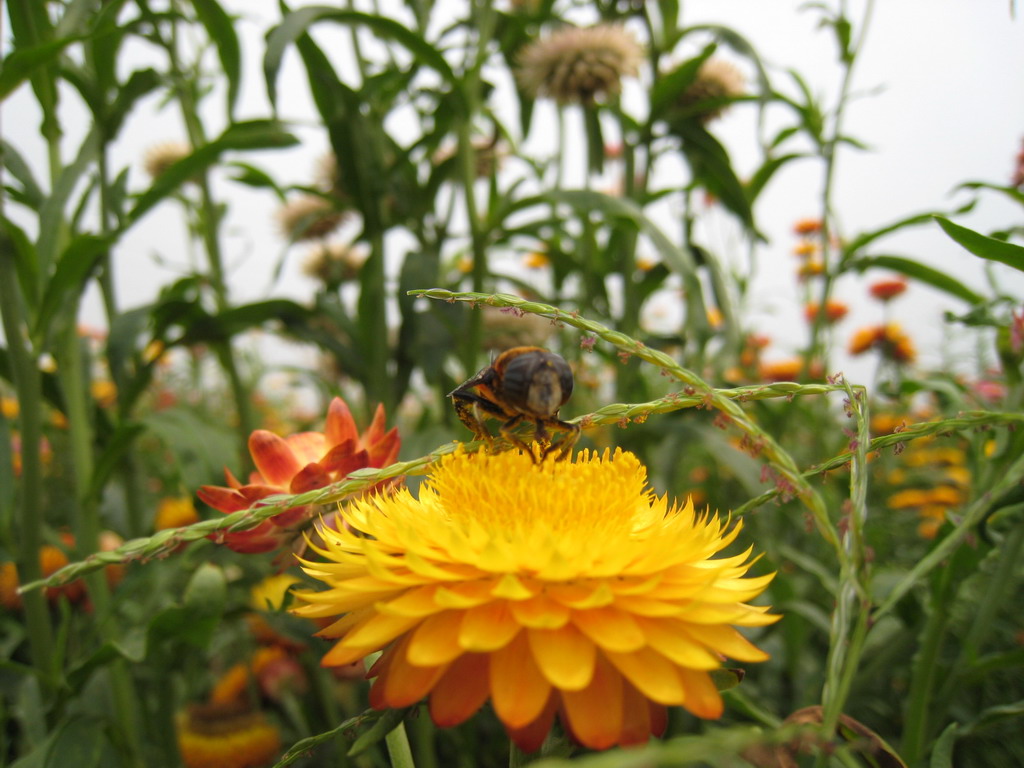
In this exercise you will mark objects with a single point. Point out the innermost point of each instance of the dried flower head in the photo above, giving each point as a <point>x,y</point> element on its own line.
<point>488,155</point>
<point>334,263</point>
<point>716,84</point>
<point>579,65</point>
<point>309,217</point>
<point>160,157</point>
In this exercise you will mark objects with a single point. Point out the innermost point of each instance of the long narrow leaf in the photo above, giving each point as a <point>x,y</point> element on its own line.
<point>297,23</point>
<point>254,134</point>
<point>920,272</point>
<point>986,247</point>
<point>221,30</point>
<point>23,63</point>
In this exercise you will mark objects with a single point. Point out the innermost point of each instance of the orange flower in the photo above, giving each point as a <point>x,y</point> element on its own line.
<point>51,560</point>
<point>834,311</point>
<point>864,339</point>
<point>296,464</point>
<point>889,339</point>
<point>782,370</point>
<point>807,227</point>
<point>888,289</point>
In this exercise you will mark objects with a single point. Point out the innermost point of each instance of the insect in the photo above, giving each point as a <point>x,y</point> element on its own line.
<point>522,384</point>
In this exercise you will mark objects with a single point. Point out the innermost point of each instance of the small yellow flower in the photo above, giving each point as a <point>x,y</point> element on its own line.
<point>559,587</point>
<point>536,260</point>
<point>810,268</point>
<point>270,593</point>
<point>805,248</point>
<point>9,407</point>
<point>226,736</point>
<point>574,65</point>
<point>175,512</point>
<point>104,392</point>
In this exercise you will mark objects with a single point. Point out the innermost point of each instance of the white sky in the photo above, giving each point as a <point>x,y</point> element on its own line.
<point>943,85</point>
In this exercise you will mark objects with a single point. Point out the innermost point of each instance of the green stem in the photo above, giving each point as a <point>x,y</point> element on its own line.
<point>816,351</point>
<point>133,495</point>
<point>924,673</point>
<point>845,645</point>
<point>399,751</point>
<point>209,225</point>
<point>483,16</point>
<point>86,524</point>
<point>28,387</point>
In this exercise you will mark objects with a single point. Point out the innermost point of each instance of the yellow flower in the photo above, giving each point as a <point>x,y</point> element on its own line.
<point>270,593</point>
<point>536,260</point>
<point>175,512</point>
<point>563,587</point>
<point>226,736</point>
<point>9,407</point>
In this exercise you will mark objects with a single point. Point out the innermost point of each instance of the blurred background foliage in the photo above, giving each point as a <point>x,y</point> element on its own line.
<point>106,435</point>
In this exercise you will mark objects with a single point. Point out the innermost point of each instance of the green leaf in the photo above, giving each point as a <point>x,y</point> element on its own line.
<point>52,219</point>
<point>865,238</point>
<point>764,174</point>
<point>32,193</point>
<point>712,169</point>
<point>297,23</point>
<point>78,741</point>
<point>23,63</point>
<point>14,243</point>
<point>196,445</point>
<point>669,87</point>
<point>677,259</point>
<point>1015,194</point>
<point>942,752</point>
<point>995,715</point>
<point>74,267</point>
<point>139,83</point>
<point>253,134</point>
<point>80,674</point>
<point>220,28</point>
<point>195,620</point>
<point>984,246</point>
<point>252,176</point>
<point>301,749</point>
<point>920,272</point>
<point>381,728</point>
